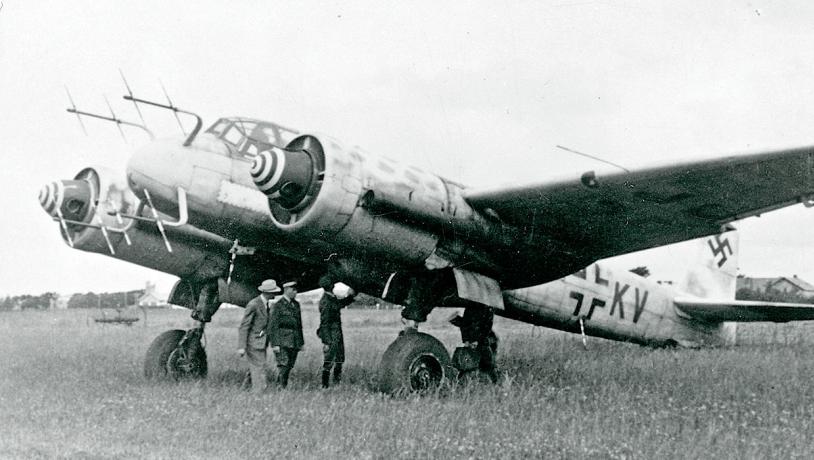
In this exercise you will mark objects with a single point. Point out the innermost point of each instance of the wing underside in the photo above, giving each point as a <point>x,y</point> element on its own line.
<point>596,217</point>
<point>744,310</point>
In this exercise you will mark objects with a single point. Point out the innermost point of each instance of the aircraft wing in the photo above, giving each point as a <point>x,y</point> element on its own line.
<point>594,217</point>
<point>744,310</point>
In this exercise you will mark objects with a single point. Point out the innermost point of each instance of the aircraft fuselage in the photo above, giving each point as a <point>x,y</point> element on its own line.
<point>616,305</point>
<point>223,199</point>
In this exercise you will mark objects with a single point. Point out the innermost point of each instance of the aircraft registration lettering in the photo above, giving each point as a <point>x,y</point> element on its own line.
<point>598,277</point>
<point>639,302</point>
<point>618,295</point>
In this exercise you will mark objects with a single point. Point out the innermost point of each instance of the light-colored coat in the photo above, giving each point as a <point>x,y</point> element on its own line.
<point>253,331</point>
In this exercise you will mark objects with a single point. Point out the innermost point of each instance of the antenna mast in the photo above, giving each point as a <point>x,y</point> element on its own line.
<point>594,158</point>
<point>198,122</point>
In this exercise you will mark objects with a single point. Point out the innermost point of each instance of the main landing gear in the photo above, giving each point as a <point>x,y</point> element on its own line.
<point>414,362</point>
<point>177,355</point>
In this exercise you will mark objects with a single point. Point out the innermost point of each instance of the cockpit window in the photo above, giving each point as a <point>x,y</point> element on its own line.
<point>248,137</point>
<point>233,136</point>
<point>218,127</point>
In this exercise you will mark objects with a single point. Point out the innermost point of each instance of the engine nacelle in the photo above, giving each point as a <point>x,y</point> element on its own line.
<point>88,201</point>
<point>362,203</point>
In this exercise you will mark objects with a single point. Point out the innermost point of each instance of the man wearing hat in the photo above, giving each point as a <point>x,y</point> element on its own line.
<point>285,332</point>
<point>252,336</point>
<point>330,329</point>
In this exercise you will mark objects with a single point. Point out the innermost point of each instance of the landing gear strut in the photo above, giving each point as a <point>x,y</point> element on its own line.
<point>414,362</point>
<point>176,355</point>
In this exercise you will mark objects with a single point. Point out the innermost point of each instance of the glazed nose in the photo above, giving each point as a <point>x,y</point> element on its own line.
<point>71,198</point>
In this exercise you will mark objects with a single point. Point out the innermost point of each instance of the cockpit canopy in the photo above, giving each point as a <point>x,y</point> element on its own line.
<point>247,137</point>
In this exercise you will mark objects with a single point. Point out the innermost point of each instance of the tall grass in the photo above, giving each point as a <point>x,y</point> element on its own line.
<point>72,388</point>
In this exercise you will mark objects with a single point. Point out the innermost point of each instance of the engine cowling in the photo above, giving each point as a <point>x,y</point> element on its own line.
<point>91,200</point>
<point>319,191</point>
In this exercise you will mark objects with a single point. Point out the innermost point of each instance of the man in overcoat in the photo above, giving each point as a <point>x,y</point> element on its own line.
<point>252,337</point>
<point>285,332</point>
<point>330,330</point>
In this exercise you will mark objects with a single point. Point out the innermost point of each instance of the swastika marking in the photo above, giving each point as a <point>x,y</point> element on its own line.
<point>719,249</point>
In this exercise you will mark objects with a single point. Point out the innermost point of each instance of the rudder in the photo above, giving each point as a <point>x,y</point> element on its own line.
<point>713,272</point>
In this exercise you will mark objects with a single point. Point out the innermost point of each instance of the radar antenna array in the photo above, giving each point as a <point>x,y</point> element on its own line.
<point>169,106</point>
<point>156,219</point>
<point>80,113</point>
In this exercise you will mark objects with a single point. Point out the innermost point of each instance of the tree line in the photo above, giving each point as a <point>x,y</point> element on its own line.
<point>115,300</point>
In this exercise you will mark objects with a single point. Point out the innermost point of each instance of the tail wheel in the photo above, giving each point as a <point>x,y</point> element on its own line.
<point>414,362</point>
<point>167,360</point>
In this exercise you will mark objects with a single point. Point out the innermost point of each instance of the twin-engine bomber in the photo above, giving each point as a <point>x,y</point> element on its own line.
<point>248,200</point>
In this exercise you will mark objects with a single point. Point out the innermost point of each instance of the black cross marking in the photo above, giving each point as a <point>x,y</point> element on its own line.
<point>720,249</point>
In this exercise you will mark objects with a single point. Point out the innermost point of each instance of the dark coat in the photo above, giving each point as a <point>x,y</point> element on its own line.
<point>330,317</point>
<point>476,323</point>
<point>253,331</point>
<point>285,324</point>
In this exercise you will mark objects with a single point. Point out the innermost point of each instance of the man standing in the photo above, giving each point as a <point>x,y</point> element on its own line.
<point>285,332</point>
<point>330,330</point>
<point>252,336</point>
<point>477,334</point>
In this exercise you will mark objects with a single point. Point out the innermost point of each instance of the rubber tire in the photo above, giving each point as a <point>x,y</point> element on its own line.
<point>394,370</point>
<point>158,354</point>
<point>201,370</point>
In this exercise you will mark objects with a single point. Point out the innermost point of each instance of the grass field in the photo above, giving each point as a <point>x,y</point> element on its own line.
<point>72,388</point>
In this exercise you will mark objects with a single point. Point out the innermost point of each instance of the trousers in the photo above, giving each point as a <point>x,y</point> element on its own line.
<point>257,368</point>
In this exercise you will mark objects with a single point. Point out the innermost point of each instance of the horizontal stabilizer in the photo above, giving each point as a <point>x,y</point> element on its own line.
<point>744,310</point>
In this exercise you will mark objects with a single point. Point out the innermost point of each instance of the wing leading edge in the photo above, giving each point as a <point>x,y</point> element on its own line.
<point>593,218</point>
<point>744,310</point>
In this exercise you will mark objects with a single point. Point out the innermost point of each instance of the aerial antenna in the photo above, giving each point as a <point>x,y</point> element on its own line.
<point>175,112</point>
<point>130,92</point>
<point>198,124</point>
<point>594,158</point>
<point>113,118</point>
<point>72,109</point>
<point>183,215</point>
<point>237,250</point>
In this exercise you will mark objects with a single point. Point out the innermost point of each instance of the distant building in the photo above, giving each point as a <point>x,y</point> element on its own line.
<point>784,284</point>
<point>149,299</point>
<point>60,302</point>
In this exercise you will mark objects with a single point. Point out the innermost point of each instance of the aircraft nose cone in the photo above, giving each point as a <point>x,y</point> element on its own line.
<point>267,170</point>
<point>51,197</point>
<point>71,198</point>
<point>284,176</point>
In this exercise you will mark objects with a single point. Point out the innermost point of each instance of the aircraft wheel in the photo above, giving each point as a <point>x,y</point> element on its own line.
<point>165,359</point>
<point>158,354</point>
<point>187,364</point>
<point>414,362</point>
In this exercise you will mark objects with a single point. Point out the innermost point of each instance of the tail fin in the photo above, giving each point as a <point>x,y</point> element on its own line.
<point>713,272</point>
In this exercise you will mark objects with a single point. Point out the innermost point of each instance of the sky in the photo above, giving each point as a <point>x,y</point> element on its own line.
<point>480,92</point>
